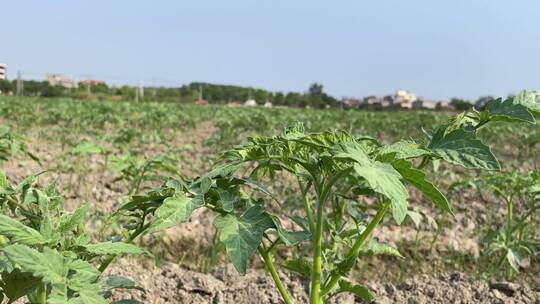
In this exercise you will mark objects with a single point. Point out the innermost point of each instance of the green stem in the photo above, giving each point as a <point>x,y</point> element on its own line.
<point>509,216</point>
<point>355,250</point>
<point>270,266</point>
<point>323,192</point>
<point>315,294</point>
<point>307,205</point>
<point>42,293</point>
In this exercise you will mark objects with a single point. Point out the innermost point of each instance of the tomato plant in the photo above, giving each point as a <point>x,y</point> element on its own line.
<point>347,185</point>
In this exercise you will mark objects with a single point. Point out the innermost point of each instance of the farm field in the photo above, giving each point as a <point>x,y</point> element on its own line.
<point>409,207</point>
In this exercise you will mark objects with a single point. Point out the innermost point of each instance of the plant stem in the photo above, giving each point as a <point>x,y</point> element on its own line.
<point>270,266</point>
<point>355,250</point>
<point>307,205</point>
<point>315,293</point>
<point>323,191</point>
<point>42,293</point>
<point>509,216</point>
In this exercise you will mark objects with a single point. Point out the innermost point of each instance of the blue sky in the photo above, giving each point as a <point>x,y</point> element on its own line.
<point>437,49</point>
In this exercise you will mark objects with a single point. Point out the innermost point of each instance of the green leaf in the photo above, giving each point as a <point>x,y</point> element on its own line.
<point>529,100</point>
<point>19,233</point>
<point>513,259</point>
<point>174,210</point>
<point>3,180</point>
<point>118,282</point>
<point>359,290</point>
<point>381,177</point>
<point>17,284</point>
<point>509,111</point>
<point>384,179</point>
<point>461,147</point>
<point>416,217</point>
<point>300,266</point>
<point>48,265</point>
<point>110,248</point>
<point>374,247</point>
<point>289,238</point>
<point>70,222</point>
<point>60,272</point>
<point>417,178</point>
<point>404,149</point>
<point>242,235</point>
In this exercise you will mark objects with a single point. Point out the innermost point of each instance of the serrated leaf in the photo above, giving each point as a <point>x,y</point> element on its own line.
<point>289,238</point>
<point>384,179</point>
<point>60,272</point>
<point>19,233</point>
<point>404,149</point>
<point>417,178</point>
<point>381,177</point>
<point>528,99</point>
<point>300,266</point>
<point>461,147</point>
<point>174,210</point>
<point>119,282</point>
<point>117,248</point>
<point>374,247</point>
<point>72,221</point>
<point>507,110</point>
<point>48,265</point>
<point>17,284</point>
<point>359,290</point>
<point>242,235</point>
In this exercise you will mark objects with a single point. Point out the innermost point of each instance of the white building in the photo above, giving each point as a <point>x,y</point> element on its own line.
<point>59,80</point>
<point>250,103</point>
<point>3,71</point>
<point>405,99</point>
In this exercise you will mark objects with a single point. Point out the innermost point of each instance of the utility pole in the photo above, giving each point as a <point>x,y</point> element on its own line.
<point>137,88</point>
<point>19,84</point>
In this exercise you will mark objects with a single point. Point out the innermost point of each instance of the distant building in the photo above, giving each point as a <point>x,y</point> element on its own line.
<point>201,102</point>
<point>250,103</point>
<point>352,103</point>
<point>268,104</point>
<point>3,71</point>
<point>59,80</point>
<point>91,82</point>
<point>234,104</point>
<point>404,99</point>
<point>421,104</point>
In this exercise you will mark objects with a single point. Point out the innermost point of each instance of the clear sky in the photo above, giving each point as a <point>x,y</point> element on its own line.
<point>435,48</point>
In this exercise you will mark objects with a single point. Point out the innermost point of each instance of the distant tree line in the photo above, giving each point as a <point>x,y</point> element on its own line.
<point>215,94</point>
<point>315,97</point>
<point>464,104</point>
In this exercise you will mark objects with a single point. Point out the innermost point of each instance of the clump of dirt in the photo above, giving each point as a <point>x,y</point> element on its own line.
<point>453,288</point>
<point>172,284</point>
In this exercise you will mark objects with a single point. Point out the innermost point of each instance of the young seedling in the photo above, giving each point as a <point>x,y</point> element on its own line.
<point>506,247</point>
<point>46,255</point>
<point>12,145</point>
